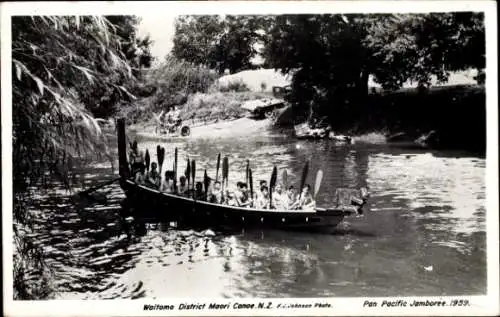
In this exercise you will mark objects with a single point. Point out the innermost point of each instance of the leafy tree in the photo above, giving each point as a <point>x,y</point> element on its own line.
<point>332,56</point>
<point>236,47</point>
<point>136,50</point>
<point>219,42</point>
<point>103,100</point>
<point>414,47</point>
<point>51,57</point>
<point>196,38</point>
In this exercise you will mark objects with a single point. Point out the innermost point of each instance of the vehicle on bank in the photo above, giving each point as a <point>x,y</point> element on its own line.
<point>263,108</point>
<point>171,124</point>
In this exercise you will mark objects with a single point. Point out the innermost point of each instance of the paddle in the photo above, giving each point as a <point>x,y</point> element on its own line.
<point>285,180</point>
<point>206,182</point>
<point>247,171</point>
<point>272,184</point>
<point>158,157</point>
<point>317,184</point>
<point>225,171</point>
<point>193,171</point>
<point>162,154</point>
<point>174,169</point>
<point>147,159</point>
<point>88,191</point>
<point>250,180</point>
<point>217,169</point>
<point>304,178</point>
<point>187,172</point>
<point>161,158</point>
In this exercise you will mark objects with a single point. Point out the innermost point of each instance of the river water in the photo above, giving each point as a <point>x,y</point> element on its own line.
<point>422,232</point>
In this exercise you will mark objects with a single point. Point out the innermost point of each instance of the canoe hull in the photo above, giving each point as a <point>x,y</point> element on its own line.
<point>150,205</point>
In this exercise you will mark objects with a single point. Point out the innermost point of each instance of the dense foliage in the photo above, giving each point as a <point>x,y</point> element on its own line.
<point>333,55</point>
<point>55,61</point>
<point>218,42</point>
<point>173,81</point>
<point>104,100</point>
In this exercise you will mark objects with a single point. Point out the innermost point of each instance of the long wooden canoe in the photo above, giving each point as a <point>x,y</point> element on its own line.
<point>151,204</point>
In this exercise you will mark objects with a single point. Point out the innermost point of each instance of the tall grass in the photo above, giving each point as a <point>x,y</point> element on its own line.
<point>168,84</point>
<point>194,89</point>
<point>175,80</point>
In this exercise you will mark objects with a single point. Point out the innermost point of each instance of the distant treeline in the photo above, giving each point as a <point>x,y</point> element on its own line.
<point>456,114</point>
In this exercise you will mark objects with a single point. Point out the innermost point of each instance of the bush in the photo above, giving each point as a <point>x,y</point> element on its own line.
<point>233,86</point>
<point>174,80</point>
<point>217,106</point>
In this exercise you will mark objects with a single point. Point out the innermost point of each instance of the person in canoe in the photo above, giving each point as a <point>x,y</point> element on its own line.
<point>231,200</point>
<point>291,196</point>
<point>182,189</point>
<point>135,158</point>
<point>305,200</point>
<point>258,193</point>
<point>140,176</point>
<point>153,178</point>
<point>280,199</point>
<point>262,201</point>
<point>216,196</point>
<point>198,192</point>
<point>167,185</point>
<point>241,195</point>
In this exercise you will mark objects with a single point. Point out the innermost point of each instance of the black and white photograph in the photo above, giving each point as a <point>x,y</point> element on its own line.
<point>222,158</point>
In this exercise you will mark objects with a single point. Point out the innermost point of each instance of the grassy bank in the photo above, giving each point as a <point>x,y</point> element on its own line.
<point>217,106</point>
<point>195,90</point>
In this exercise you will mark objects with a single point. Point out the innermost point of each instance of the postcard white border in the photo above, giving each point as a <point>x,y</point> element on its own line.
<point>481,305</point>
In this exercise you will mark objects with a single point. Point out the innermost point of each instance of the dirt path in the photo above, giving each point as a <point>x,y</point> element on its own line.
<point>223,129</point>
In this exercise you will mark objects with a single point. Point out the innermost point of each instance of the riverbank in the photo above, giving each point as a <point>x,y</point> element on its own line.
<point>450,117</point>
<point>220,129</point>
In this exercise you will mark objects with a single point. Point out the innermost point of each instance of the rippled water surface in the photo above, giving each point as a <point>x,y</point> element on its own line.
<point>423,230</point>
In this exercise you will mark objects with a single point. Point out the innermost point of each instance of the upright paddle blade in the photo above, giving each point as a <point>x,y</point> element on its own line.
<point>272,184</point>
<point>161,158</point>
<point>285,180</point>
<point>193,171</point>
<point>305,171</point>
<point>158,156</point>
<point>217,169</point>
<point>187,172</point>
<point>274,178</point>
<point>147,159</point>
<point>206,182</point>
<point>175,169</point>
<point>247,171</point>
<point>317,183</point>
<point>250,180</point>
<point>225,171</point>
